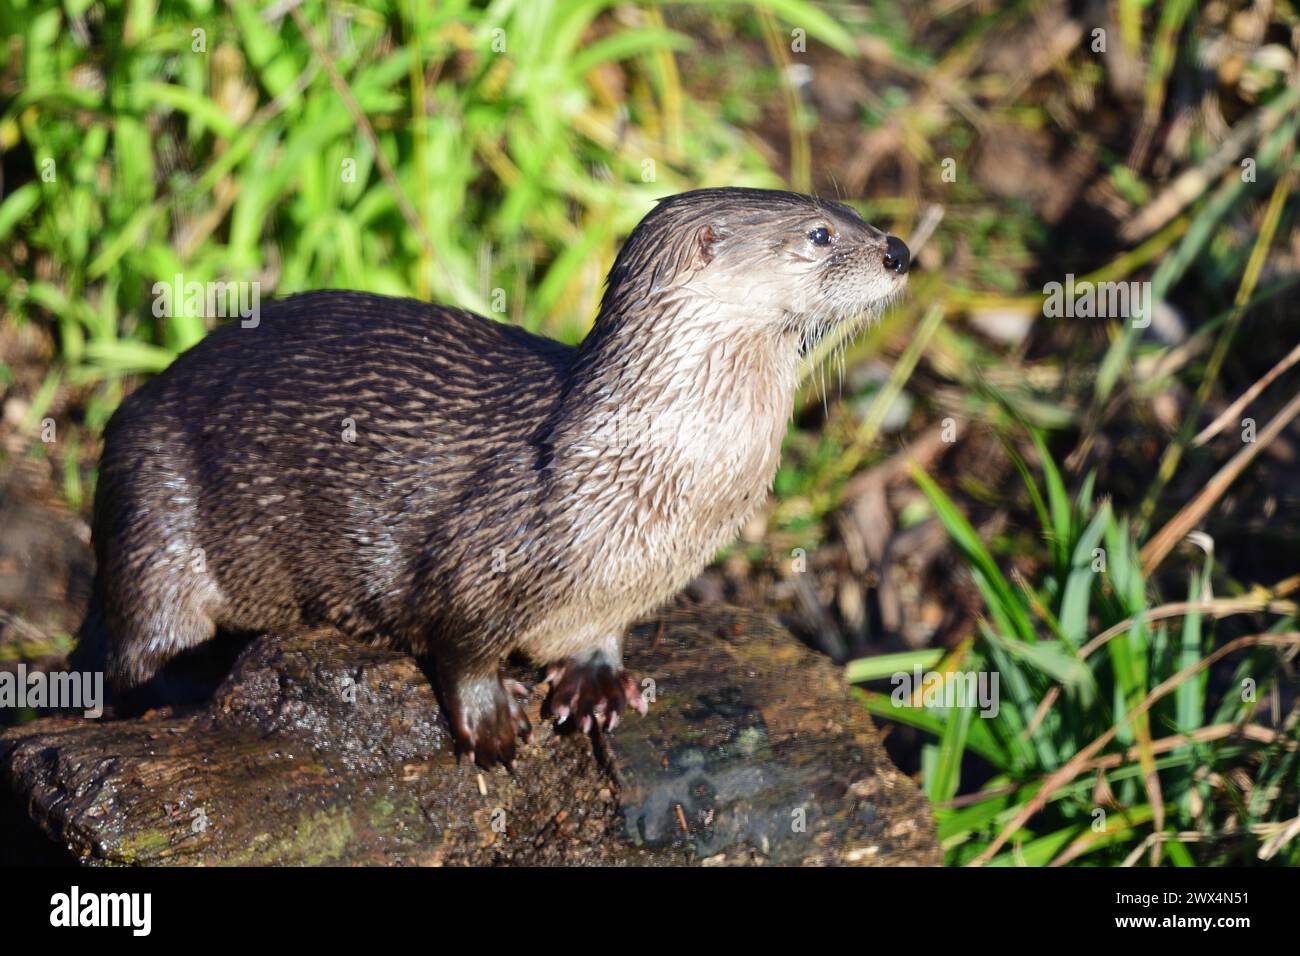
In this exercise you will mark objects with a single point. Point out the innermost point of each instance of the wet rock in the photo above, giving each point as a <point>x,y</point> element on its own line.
<point>316,751</point>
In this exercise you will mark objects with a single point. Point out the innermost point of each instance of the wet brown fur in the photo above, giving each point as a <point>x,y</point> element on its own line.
<point>503,491</point>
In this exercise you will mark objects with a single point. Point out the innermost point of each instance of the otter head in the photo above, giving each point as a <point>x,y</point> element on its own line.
<point>763,258</point>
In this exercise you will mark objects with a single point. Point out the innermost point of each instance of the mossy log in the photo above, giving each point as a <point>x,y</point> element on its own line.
<point>315,750</point>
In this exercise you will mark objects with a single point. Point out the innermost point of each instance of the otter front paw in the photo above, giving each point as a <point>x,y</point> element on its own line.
<point>591,691</point>
<point>487,717</point>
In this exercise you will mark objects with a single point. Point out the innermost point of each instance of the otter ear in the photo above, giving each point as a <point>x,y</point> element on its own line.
<point>708,238</point>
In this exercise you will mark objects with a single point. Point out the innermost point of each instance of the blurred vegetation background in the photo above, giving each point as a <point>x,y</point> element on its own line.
<point>1075,503</point>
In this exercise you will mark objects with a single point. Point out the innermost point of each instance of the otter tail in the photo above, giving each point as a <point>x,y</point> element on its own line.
<point>91,652</point>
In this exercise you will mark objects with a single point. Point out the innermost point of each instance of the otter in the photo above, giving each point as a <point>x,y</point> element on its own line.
<point>427,478</point>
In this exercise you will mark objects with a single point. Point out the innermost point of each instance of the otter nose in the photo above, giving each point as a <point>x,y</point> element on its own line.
<point>897,258</point>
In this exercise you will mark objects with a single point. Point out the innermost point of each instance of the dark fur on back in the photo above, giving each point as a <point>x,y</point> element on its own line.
<point>234,461</point>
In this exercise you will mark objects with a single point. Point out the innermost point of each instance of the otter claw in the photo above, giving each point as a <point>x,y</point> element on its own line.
<point>593,691</point>
<point>487,719</point>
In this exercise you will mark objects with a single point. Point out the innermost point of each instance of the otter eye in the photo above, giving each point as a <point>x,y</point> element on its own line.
<point>821,236</point>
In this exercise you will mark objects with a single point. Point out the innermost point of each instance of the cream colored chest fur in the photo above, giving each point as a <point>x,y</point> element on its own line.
<point>659,490</point>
